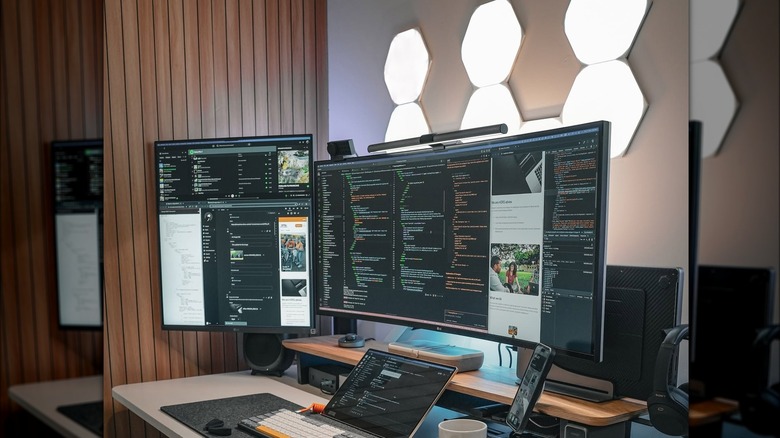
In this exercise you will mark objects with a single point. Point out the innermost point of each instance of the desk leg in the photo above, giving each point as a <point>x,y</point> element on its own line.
<point>576,430</point>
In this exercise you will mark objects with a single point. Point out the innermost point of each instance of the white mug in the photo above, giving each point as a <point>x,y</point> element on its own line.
<point>462,428</point>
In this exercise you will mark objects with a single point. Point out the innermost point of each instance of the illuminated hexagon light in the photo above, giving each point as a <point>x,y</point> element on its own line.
<point>713,102</point>
<point>540,125</point>
<point>603,30</point>
<point>406,121</point>
<point>406,67</point>
<point>492,105</point>
<point>607,91</point>
<point>491,43</point>
<point>711,22</point>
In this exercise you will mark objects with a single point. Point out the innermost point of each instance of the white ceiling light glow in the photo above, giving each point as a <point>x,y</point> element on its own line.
<point>607,91</point>
<point>603,30</point>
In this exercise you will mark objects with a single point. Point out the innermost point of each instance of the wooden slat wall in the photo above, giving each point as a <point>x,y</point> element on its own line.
<point>178,69</point>
<point>51,61</point>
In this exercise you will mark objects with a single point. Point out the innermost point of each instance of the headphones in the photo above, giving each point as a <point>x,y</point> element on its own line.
<point>760,406</point>
<point>667,404</point>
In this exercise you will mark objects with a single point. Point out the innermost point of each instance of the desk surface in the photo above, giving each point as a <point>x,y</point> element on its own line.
<point>146,399</point>
<point>492,383</point>
<point>710,411</point>
<point>42,399</point>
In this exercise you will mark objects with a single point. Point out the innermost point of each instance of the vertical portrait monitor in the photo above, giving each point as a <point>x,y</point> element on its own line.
<point>234,233</point>
<point>502,239</point>
<point>77,188</point>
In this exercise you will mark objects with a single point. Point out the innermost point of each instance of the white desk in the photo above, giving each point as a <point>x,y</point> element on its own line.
<point>145,399</point>
<point>42,399</point>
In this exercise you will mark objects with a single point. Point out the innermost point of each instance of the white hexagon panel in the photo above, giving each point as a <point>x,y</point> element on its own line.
<point>406,121</point>
<point>607,91</point>
<point>712,101</point>
<point>490,106</point>
<point>711,21</point>
<point>603,30</point>
<point>540,125</point>
<point>406,66</point>
<point>491,43</point>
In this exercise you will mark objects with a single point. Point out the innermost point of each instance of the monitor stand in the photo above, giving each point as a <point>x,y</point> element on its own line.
<point>565,382</point>
<point>465,359</point>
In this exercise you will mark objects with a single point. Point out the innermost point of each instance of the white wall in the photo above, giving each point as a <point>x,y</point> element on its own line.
<point>648,217</point>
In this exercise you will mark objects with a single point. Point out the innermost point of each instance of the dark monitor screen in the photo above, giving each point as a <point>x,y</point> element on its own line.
<point>77,188</point>
<point>426,239</point>
<point>732,305</point>
<point>234,233</point>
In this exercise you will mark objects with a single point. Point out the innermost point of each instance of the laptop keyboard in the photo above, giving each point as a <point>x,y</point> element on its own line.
<point>284,423</point>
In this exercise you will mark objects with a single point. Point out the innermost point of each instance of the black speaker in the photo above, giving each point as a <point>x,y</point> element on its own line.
<point>760,406</point>
<point>668,405</point>
<point>265,354</point>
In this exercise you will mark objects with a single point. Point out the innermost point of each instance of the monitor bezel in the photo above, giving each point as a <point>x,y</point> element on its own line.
<point>221,328</point>
<point>599,283</point>
<point>53,147</point>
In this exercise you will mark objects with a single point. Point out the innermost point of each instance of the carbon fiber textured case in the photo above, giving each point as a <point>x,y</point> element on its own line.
<point>641,302</point>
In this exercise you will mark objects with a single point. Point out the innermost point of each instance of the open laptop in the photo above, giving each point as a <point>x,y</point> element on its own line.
<point>386,395</point>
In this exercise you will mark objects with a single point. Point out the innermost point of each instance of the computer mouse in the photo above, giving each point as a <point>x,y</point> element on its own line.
<point>351,340</point>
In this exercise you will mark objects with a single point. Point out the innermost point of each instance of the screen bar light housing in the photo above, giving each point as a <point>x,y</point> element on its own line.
<point>437,140</point>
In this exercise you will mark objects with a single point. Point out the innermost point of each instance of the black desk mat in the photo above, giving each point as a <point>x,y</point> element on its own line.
<point>89,415</point>
<point>231,410</point>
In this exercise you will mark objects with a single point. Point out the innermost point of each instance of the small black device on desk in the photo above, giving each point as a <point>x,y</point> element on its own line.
<point>351,340</point>
<point>530,388</point>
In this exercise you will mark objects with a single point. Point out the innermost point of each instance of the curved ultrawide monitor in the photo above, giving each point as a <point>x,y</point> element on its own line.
<point>234,233</point>
<point>502,239</point>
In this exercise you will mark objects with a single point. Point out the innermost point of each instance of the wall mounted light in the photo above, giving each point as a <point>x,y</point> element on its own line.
<point>712,100</point>
<point>406,69</point>
<point>488,52</point>
<point>607,91</point>
<point>601,33</point>
<point>603,30</point>
<point>438,140</point>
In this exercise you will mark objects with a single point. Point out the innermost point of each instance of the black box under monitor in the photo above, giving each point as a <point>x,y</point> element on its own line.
<point>731,305</point>
<point>641,302</point>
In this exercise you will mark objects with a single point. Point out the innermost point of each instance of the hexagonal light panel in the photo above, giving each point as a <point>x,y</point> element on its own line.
<point>406,66</point>
<point>490,106</point>
<point>540,125</point>
<point>603,30</point>
<point>406,121</point>
<point>713,102</point>
<point>491,43</point>
<point>711,22</point>
<point>607,91</point>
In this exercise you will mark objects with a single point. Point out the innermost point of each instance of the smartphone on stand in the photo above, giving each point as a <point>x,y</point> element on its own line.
<point>531,387</point>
